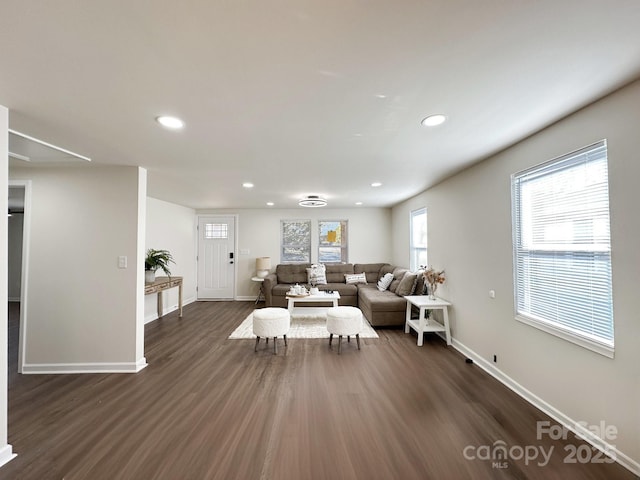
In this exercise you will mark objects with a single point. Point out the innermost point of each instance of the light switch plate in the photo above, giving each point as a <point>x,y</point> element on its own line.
<point>122,261</point>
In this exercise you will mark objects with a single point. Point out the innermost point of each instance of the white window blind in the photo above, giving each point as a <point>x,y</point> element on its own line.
<point>562,248</point>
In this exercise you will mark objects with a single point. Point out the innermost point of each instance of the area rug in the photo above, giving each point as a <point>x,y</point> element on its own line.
<point>302,326</point>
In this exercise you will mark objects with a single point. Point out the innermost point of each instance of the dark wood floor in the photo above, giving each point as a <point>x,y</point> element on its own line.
<point>210,408</point>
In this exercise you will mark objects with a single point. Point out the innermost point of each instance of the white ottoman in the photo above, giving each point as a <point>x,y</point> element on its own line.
<point>271,322</point>
<point>343,321</point>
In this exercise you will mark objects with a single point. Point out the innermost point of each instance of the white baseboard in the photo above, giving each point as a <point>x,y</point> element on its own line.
<point>6,454</point>
<point>557,415</point>
<point>64,368</point>
<point>244,298</point>
<point>172,308</point>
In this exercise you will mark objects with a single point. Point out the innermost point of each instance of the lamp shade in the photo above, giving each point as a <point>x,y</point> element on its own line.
<point>263,264</point>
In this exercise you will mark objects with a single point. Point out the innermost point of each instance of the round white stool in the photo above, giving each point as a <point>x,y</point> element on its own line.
<point>271,322</point>
<point>343,321</point>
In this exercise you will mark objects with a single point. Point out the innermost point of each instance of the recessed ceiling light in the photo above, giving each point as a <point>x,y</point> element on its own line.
<point>433,120</point>
<point>380,95</point>
<point>358,203</point>
<point>312,201</point>
<point>270,204</point>
<point>170,122</point>
<point>376,184</point>
<point>247,185</point>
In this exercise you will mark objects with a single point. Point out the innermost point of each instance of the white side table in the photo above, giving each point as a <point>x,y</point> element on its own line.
<point>261,291</point>
<point>423,324</point>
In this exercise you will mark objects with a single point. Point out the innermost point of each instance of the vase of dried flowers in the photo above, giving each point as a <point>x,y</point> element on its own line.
<point>433,278</point>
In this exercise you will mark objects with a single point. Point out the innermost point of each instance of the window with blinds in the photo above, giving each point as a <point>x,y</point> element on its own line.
<point>418,238</point>
<point>562,248</point>
<point>295,242</point>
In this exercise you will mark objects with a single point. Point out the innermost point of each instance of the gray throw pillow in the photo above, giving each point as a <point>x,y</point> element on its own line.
<point>407,284</point>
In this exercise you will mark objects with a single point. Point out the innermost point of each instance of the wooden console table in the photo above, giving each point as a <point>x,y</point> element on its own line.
<point>163,283</point>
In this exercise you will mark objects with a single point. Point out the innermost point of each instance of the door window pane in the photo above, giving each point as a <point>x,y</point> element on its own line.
<point>216,230</point>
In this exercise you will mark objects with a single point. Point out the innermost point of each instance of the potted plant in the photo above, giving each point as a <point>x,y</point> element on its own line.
<point>156,259</point>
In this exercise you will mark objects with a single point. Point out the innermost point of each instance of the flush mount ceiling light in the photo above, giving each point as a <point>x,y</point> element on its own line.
<point>170,122</point>
<point>312,201</point>
<point>376,184</point>
<point>270,204</point>
<point>247,185</point>
<point>433,120</point>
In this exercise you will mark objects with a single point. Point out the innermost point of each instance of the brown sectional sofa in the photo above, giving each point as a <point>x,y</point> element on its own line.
<point>385,308</point>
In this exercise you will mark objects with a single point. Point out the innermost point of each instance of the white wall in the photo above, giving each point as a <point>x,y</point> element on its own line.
<point>259,232</point>
<point>172,227</point>
<point>81,309</point>
<point>469,234</point>
<point>6,451</point>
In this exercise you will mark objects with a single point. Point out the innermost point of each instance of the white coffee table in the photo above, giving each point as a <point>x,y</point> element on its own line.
<point>320,297</point>
<point>423,324</point>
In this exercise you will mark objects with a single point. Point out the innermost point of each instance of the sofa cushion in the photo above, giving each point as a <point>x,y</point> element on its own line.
<point>335,272</point>
<point>344,289</point>
<point>292,272</point>
<point>386,268</point>
<point>371,270</point>
<point>398,275</point>
<point>421,285</point>
<point>373,299</point>
<point>407,285</point>
<point>316,274</point>
<point>355,278</point>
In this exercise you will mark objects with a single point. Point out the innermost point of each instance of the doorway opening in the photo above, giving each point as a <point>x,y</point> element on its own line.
<point>17,261</point>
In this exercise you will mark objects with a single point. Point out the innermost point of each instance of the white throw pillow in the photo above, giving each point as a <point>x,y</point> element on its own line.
<point>355,278</point>
<point>317,274</point>
<point>385,281</point>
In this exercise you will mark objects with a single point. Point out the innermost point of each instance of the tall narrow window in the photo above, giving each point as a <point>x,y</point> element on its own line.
<point>418,241</point>
<point>332,241</point>
<point>295,245</point>
<point>562,248</point>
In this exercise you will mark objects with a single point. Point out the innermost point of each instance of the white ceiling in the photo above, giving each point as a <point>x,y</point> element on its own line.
<point>286,93</point>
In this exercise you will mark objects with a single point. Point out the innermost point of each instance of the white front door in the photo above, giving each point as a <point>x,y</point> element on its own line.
<point>216,257</point>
